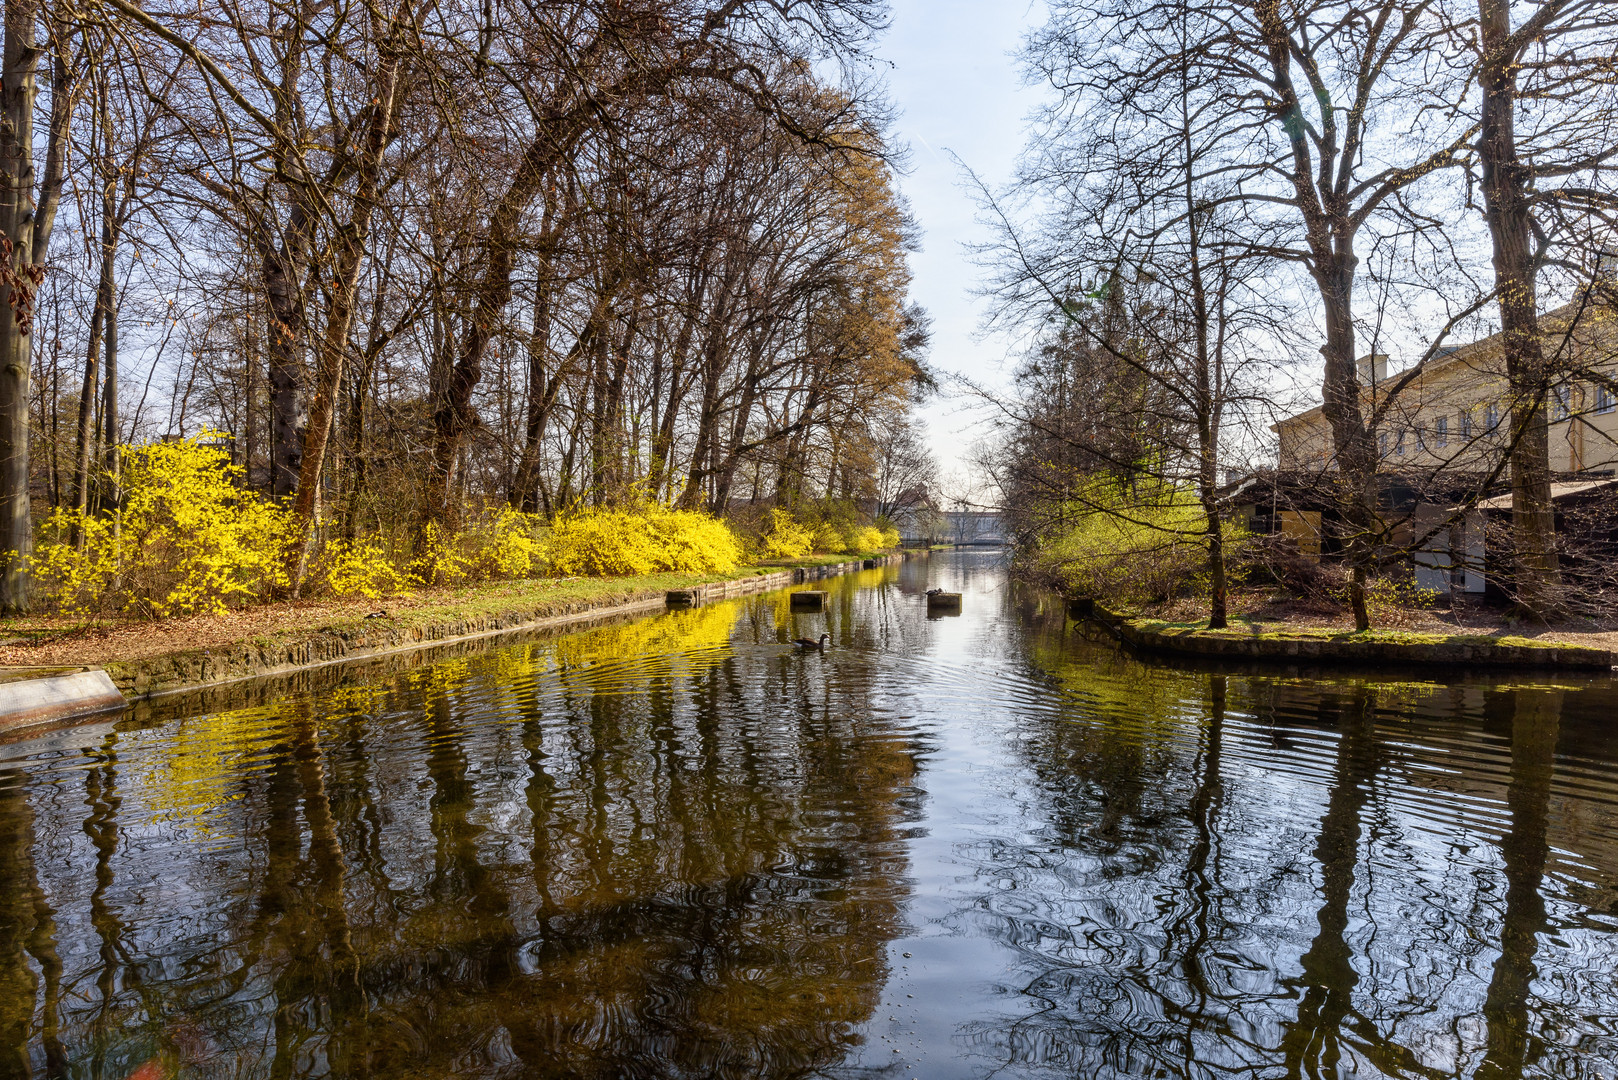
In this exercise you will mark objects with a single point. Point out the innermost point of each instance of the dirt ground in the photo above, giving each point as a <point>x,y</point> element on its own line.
<point>60,640</point>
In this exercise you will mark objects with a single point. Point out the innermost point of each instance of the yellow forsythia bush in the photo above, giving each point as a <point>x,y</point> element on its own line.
<point>360,567</point>
<point>786,539</point>
<point>502,543</point>
<point>190,540</point>
<point>867,539</point>
<point>647,539</point>
<point>829,540</point>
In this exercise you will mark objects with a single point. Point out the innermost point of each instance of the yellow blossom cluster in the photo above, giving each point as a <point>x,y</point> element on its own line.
<point>187,539</point>
<point>646,539</point>
<point>788,538</point>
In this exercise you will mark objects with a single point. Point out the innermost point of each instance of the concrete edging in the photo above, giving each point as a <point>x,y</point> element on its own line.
<point>57,697</point>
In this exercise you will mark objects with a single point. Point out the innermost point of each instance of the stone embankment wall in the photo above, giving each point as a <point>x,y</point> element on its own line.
<point>1458,652</point>
<point>248,660</point>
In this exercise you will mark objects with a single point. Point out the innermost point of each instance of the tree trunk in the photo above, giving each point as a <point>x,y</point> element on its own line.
<point>339,316</point>
<point>542,390</point>
<point>289,405</point>
<point>454,416</point>
<point>87,394</point>
<point>249,393</point>
<point>1505,201</point>
<point>17,92</point>
<point>662,449</point>
<point>112,432</point>
<point>98,322</point>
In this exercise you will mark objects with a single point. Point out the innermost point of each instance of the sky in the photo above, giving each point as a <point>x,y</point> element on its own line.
<point>956,86</point>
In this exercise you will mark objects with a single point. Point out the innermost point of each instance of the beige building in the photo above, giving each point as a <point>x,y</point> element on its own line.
<point>1455,413</point>
<point>1452,421</point>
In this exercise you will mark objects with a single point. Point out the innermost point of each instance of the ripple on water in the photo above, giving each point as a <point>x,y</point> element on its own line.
<point>677,847</point>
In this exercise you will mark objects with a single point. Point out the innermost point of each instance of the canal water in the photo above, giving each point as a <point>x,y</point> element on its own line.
<point>986,845</point>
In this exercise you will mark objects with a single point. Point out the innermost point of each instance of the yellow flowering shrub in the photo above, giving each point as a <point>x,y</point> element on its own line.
<point>647,539</point>
<point>890,537</point>
<point>786,539</point>
<point>189,540</point>
<point>501,543</point>
<point>867,538</point>
<point>513,544</point>
<point>68,578</point>
<point>439,559</point>
<point>357,568</point>
<point>829,540</point>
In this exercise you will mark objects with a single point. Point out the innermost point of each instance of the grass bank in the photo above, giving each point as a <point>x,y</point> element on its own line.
<point>1254,640</point>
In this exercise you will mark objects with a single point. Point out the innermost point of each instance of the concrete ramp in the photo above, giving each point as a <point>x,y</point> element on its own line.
<point>39,699</point>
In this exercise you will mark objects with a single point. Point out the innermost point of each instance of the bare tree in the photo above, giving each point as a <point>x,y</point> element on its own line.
<point>27,215</point>
<point>1563,48</point>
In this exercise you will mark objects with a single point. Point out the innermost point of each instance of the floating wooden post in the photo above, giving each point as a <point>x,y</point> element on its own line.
<point>944,603</point>
<point>870,564</point>
<point>808,600</point>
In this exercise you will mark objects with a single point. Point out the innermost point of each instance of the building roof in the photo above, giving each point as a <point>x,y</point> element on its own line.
<point>1552,322</point>
<point>1558,491</point>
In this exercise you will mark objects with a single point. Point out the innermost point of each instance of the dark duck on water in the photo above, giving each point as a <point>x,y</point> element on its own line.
<point>811,643</point>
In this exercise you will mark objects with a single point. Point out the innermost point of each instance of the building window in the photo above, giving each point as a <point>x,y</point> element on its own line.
<point>1466,426</point>
<point>1605,399</point>
<point>1491,418</point>
<point>1561,401</point>
<point>1382,443</point>
<point>1441,431</point>
<point>1399,444</point>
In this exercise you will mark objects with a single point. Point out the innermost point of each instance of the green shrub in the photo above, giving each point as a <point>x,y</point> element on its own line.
<point>1130,545</point>
<point>1393,599</point>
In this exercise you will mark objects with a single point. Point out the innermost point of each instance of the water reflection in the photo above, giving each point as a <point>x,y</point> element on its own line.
<point>678,847</point>
<point>630,853</point>
<point>1284,878</point>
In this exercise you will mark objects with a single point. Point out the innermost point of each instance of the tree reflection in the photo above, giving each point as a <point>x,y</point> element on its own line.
<point>1525,849</point>
<point>681,850</point>
<point>557,861</point>
<point>1298,891</point>
<point>30,968</point>
<point>103,801</point>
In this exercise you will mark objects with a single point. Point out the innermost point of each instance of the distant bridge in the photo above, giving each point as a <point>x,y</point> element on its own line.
<point>967,527</point>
